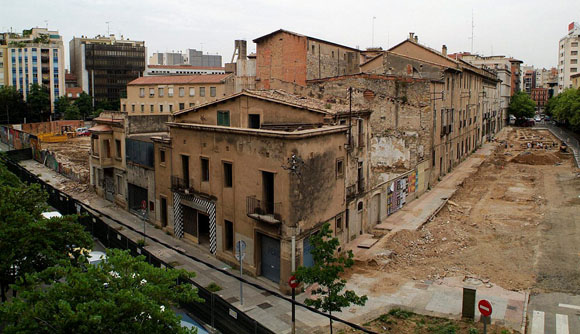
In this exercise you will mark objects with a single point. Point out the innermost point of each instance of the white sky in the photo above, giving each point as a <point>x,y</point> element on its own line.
<point>525,29</point>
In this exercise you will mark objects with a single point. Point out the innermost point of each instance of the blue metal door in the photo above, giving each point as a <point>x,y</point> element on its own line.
<point>308,260</point>
<point>270,263</point>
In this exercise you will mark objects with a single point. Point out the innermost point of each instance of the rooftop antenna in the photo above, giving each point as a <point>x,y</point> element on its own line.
<point>201,47</point>
<point>373,38</point>
<point>46,23</point>
<point>108,34</point>
<point>472,29</point>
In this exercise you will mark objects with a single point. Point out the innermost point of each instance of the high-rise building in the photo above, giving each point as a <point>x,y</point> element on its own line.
<point>104,65</point>
<point>167,58</point>
<point>197,58</point>
<point>568,56</point>
<point>36,56</point>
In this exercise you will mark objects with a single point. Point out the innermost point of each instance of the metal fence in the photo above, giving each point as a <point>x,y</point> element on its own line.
<point>214,311</point>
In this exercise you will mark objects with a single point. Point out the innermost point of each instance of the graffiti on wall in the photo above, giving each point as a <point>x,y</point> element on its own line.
<point>399,189</point>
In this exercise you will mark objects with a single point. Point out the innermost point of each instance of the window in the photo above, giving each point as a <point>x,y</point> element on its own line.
<point>181,92</point>
<point>339,168</point>
<point>332,54</point>
<point>118,148</point>
<point>132,108</point>
<point>151,92</point>
<point>254,121</point>
<point>191,104</point>
<point>141,92</point>
<point>170,91</point>
<point>107,148</point>
<point>181,106</point>
<point>359,206</point>
<point>228,175</point>
<point>202,91</point>
<point>191,91</point>
<point>160,92</point>
<point>313,49</point>
<point>119,185</point>
<point>142,108</point>
<point>573,69</point>
<point>212,91</point>
<point>223,118</point>
<point>151,108</point>
<point>574,44</point>
<point>160,108</point>
<point>171,108</point>
<point>204,169</point>
<point>124,107</point>
<point>95,145</point>
<point>229,227</point>
<point>574,53</point>
<point>339,222</point>
<point>162,157</point>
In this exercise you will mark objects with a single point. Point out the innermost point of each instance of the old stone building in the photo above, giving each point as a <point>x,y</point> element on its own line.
<point>258,166</point>
<point>287,57</point>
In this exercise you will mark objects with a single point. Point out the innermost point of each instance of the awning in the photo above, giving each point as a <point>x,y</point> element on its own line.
<point>101,128</point>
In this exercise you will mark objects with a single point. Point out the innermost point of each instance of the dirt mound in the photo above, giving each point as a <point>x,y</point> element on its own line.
<point>536,158</point>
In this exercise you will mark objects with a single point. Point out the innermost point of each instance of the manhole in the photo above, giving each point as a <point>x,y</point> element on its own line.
<point>232,300</point>
<point>264,306</point>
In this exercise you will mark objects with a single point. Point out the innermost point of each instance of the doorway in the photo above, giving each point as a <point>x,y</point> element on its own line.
<point>375,210</point>
<point>163,211</point>
<point>268,192</point>
<point>270,258</point>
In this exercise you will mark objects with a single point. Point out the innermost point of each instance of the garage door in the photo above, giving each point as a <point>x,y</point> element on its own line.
<point>270,258</point>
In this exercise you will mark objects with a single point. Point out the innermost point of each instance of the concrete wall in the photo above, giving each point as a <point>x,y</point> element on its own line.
<point>149,123</point>
<point>325,60</point>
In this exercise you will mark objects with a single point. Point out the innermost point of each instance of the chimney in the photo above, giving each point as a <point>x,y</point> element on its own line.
<point>444,50</point>
<point>411,36</point>
<point>416,38</point>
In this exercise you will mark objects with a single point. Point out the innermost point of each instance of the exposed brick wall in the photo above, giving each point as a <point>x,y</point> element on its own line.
<point>281,56</point>
<point>328,60</point>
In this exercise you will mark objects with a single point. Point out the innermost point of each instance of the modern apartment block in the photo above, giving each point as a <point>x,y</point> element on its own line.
<point>181,70</point>
<point>35,56</point>
<point>568,56</point>
<point>155,95</point>
<point>198,58</point>
<point>167,58</point>
<point>104,65</point>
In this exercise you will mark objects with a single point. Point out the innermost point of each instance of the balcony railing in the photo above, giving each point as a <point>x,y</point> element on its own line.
<point>267,212</point>
<point>181,185</point>
<point>351,192</point>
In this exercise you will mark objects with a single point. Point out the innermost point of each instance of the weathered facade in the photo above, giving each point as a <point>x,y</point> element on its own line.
<point>286,57</point>
<point>259,166</point>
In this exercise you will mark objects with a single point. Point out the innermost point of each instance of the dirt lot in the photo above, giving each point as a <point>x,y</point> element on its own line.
<point>492,228</point>
<point>73,153</point>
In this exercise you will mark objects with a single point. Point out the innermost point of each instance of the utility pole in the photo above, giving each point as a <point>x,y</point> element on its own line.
<point>373,38</point>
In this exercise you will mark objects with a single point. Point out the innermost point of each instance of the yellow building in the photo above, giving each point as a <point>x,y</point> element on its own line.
<point>156,95</point>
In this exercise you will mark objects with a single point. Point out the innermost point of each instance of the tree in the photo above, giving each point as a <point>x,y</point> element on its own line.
<point>38,101</point>
<point>61,105</point>
<point>28,242</point>
<point>123,294</point>
<point>85,104</point>
<point>326,273</point>
<point>72,112</point>
<point>522,106</point>
<point>566,108</point>
<point>12,106</point>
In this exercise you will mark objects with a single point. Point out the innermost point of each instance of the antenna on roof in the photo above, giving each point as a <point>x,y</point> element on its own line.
<point>472,29</point>
<point>108,34</point>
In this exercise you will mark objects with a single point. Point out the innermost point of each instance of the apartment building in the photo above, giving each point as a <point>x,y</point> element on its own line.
<point>199,59</point>
<point>540,95</point>
<point>35,56</point>
<point>154,95</point>
<point>104,65</point>
<point>257,166</point>
<point>287,58</point>
<point>568,56</point>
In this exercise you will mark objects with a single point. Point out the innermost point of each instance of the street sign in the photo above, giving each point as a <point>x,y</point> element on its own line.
<point>240,250</point>
<point>484,307</point>
<point>143,205</point>
<point>293,282</point>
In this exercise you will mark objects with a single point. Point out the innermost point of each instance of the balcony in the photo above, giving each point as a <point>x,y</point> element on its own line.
<point>361,185</point>
<point>266,212</point>
<point>180,185</point>
<point>351,192</point>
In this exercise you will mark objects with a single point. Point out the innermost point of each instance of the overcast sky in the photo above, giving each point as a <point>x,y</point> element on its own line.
<point>525,29</point>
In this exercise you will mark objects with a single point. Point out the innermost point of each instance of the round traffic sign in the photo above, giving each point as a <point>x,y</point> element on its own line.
<point>143,205</point>
<point>293,282</point>
<point>484,307</point>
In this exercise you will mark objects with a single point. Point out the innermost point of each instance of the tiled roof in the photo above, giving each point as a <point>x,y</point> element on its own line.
<point>300,35</point>
<point>186,67</point>
<point>179,79</point>
<point>74,90</point>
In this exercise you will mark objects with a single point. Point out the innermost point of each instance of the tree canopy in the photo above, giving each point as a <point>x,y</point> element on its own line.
<point>122,294</point>
<point>38,100</point>
<point>326,274</point>
<point>522,106</point>
<point>61,104</point>
<point>85,104</point>
<point>29,242</point>
<point>72,112</point>
<point>12,106</point>
<point>565,108</point>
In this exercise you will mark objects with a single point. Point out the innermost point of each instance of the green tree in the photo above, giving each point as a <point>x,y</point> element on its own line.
<point>72,112</point>
<point>12,106</point>
<point>566,108</point>
<point>522,105</point>
<point>38,101</point>
<point>325,272</point>
<point>123,294</point>
<point>85,104</point>
<point>28,242</point>
<point>61,105</point>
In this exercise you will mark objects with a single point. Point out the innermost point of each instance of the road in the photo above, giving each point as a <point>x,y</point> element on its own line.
<point>555,299</point>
